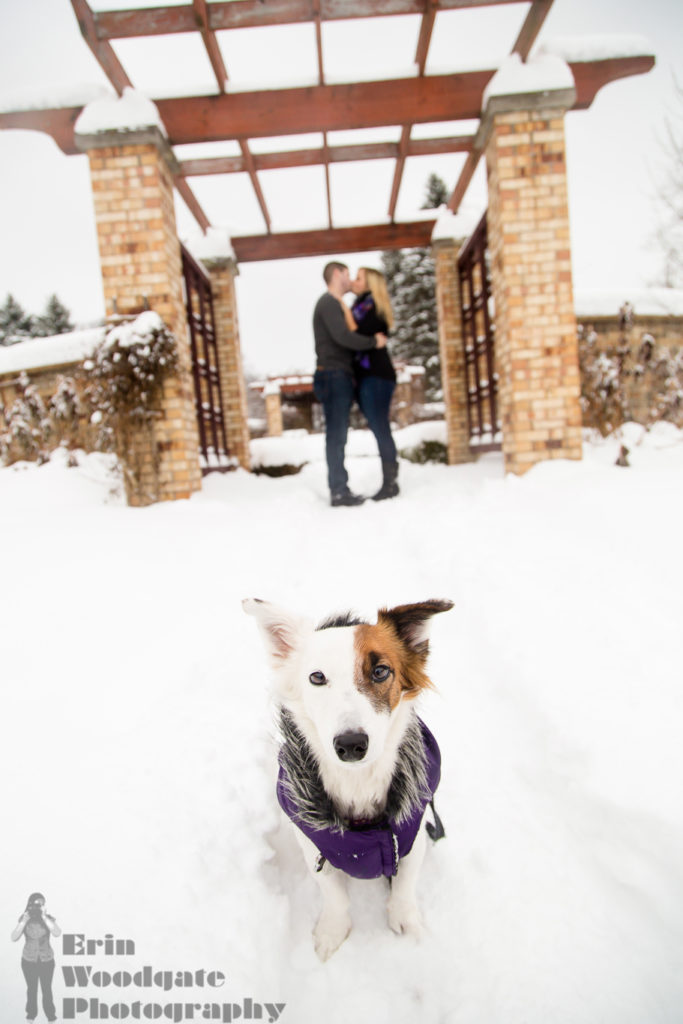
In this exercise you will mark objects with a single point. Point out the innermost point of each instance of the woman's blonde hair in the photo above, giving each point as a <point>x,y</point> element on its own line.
<point>378,288</point>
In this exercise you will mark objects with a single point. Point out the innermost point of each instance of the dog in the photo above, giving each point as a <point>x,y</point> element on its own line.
<point>357,766</point>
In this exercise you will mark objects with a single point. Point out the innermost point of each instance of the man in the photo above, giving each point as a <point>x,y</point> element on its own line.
<point>333,381</point>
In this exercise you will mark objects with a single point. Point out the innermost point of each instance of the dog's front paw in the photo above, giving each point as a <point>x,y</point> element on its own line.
<point>404,919</point>
<point>329,933</point>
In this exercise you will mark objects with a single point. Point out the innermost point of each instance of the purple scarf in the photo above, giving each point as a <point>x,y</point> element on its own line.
<point>364,850</point>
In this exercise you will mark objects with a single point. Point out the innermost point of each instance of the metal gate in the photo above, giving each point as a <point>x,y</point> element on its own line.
<point>213,445</point>
<point>478,337</point>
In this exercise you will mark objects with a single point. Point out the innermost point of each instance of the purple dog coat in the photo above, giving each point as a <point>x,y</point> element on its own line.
<point>373,849</point>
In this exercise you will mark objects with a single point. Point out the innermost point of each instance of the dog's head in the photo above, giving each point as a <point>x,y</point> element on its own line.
<point>346,679</point>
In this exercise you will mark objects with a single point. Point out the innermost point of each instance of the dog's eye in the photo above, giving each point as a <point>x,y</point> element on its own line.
<point>380,673</point>
<point>317,678</point>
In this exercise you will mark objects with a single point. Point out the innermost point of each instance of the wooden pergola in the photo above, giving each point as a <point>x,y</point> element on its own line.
<point>323,108</point>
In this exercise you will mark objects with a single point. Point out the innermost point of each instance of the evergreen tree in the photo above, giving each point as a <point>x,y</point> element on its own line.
<point>55,320</point>
<point>15,324</point>
<point>436,194</point>
<point>411,283</point>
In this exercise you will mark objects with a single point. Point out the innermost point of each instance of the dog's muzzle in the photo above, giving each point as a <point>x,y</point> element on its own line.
<point>351,746</point>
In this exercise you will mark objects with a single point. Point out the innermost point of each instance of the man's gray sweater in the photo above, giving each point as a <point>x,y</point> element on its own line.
<point>334,342</point>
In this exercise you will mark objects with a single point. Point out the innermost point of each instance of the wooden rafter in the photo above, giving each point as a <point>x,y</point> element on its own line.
<point>441,98</point>
<point>333,155</point>
<point>321,81</point>
<point>533,23</point>
<point>528,34</point>
<point>213,50</point>
<point>257,13</point>
<point>102,49</point>
<point>214,54</point>
<point>424,39</point>
<point>287,245</point>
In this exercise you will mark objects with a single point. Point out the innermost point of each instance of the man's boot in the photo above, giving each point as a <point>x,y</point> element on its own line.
<point>389,488</point>
<point>346,497</point>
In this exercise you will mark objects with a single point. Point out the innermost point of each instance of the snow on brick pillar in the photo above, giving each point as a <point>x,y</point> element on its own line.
<point>222,270</point>
<point>271,394</point>
<point>528,235</point>
<point>453,378</point>
<point>131,174</point>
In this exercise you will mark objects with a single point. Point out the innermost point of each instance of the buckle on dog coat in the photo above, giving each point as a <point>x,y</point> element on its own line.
<point>370,850</point>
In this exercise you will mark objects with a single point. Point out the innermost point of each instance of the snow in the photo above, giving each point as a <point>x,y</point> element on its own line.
<point>543,72</point>
<point>458,226</point>
<point>123,113</point>
<point>134,332</point>
<point>582,49</point>
<point>645,301</point>
<point>215,244</point>
<point>58,350</point>
<point>77,95</point>
<point>137,742</point>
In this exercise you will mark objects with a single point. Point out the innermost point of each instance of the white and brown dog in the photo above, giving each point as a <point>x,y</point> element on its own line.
<point>357,766</point>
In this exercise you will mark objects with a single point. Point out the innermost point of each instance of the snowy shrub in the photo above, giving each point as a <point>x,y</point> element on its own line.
<point>124,380</point>
<point>426,451</point>
<point>629,380</point>
<point>26,428</point>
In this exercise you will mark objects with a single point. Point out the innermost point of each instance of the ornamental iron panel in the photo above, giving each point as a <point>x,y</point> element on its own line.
<point>478,333</point>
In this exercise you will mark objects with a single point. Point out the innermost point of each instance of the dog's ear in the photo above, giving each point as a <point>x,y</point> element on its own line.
<point>411,622</point>
<point>281,629</point>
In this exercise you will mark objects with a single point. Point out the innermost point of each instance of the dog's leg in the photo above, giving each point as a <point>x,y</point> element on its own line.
<point>334,923</point>
<point>404,917</point>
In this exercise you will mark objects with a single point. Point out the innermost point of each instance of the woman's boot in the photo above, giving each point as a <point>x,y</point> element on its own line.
<point>389,488</point>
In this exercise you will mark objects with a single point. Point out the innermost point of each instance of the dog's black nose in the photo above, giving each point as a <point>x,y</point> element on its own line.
<point>351,746</point>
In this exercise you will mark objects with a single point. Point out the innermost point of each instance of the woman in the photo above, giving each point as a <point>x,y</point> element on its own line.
<point>37,958</point>
<point>374,371</point>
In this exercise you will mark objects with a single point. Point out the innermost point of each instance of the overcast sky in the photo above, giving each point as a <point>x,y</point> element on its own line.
<point>47,230</point>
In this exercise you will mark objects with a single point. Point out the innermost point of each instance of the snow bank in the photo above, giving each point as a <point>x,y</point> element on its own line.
<point>140,757</point>
<point>215,244</point>
<point>60,349</point>
<point>645,301</point>
<point>123,113</point>
<point>544,72</point>
<point>135,332</point>
<point>582,49</point>
<point>458,226</point>
<point>77,95</point>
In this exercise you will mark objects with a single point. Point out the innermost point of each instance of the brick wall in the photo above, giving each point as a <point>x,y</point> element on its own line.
<point>536,346</point>
<point>445,253</point>
<point>230,368</point>
<point>140,259</point>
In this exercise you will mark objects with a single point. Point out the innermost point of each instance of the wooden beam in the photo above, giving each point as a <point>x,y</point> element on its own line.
<point>287,245</point>
<point>323,108</point>
<point>533,23</point>
<point>251,170</point>
<point>192,202</point>
<point>425,37</point>
<point>438,98</point>
<point>398,169</point>
<point>210,43</point>
<point>256,13</point>
<point>102,50</point>
<point>335,154</point>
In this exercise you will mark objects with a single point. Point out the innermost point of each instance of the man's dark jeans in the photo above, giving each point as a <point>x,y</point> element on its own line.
<point>34,972</point>
<point>334,390</point>
<point>374,398</point>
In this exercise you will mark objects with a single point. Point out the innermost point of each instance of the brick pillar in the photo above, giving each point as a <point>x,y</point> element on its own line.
<point>233,388</point>
<point>445,252</point>
<point>140,258</point>
<point>528,232</point>
<point>274,427</point>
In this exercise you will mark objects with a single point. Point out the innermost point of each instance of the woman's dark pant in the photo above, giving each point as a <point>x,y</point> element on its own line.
<point>334,391</point>
<point>374,399</point>
<point>42,972</point>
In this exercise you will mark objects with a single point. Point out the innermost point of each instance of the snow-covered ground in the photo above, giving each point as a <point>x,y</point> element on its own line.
<point>138,755</point>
